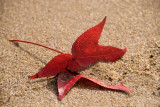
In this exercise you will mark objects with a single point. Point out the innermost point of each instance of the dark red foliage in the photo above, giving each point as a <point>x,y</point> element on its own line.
<point>85,52</point>
<point>66,81</point>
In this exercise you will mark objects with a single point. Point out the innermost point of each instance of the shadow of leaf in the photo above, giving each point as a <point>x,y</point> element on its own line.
<point>52,85</point>
<point>32,55</point>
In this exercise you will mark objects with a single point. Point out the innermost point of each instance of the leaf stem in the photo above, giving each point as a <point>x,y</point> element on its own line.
<point>14,40</point>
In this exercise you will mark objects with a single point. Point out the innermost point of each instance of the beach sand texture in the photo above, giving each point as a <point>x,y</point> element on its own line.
<point>134,24</point>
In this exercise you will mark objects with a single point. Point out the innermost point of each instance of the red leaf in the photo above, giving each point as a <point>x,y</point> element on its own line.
<point>103,53</point>
<point>87,40</point>
<point>86,50</point>
<point>66,81</point>
<point>54,67</point>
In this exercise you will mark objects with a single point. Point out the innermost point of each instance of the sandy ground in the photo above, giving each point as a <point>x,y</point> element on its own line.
<point>57,23</point>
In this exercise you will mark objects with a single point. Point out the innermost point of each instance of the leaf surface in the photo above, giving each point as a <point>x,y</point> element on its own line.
<point>66,81</point>
<point>54,67</point>
<point>86,50</point>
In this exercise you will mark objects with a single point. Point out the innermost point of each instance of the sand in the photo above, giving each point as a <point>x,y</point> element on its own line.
<point>134,24</point>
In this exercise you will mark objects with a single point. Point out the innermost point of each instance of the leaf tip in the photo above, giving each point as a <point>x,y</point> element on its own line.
<point>104,20</point>
<point>33,77</point>
<point>126,89</point>
<point>125,50</point>
<point>60,98</point>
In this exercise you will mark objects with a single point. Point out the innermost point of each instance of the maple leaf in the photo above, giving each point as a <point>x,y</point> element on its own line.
<point>85,52</point>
